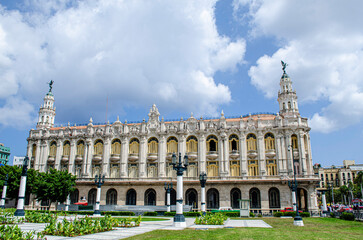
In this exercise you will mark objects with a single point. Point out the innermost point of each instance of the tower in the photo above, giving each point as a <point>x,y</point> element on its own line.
<point>287,96</point>
<point>47,110</point>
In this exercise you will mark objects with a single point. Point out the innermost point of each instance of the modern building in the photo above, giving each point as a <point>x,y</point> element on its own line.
<point>337,176</point>
<point>248,157</point>
<point>4,154</point>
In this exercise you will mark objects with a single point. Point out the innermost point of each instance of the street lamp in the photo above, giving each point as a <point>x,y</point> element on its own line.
<point>21,197</point>
<point>168,187</point>
<point>99,182</point>
<point>293,186</point>
<point>2,204</point>
<point>179,219</point>
<point>203,180</point>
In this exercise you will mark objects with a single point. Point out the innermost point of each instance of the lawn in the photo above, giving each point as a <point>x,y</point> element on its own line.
<point>315,228</point>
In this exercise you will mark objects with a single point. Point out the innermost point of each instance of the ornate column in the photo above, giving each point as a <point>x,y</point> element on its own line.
<point>106,157</point>
<point>202,153</point>
<point>72,157</point>
<point>279,155</point>
<point>162,156</point>
<point>226,156</point>
<point>124,156</point>
<point>302,153</point>
<point>58,155</point>
<point>243,153</point>
<point>37,156</point>
<point>143,153</point>
<point>44,156</point>
<point>221,157</point>
<point>261,154</point>
<point>88,170</point>
<point>29,154</point>
<point>289,153</point>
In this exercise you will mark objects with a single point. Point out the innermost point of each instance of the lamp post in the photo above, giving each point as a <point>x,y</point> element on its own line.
<point>168,187</point>
<point>293,185</point>
<point>99,182</point>
<point>3,197</point>
<point>179,219</point>
<point>203,180</point>
<point>21,197</point>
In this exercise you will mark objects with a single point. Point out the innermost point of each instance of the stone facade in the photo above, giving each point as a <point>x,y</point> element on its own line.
<point>249,157</point>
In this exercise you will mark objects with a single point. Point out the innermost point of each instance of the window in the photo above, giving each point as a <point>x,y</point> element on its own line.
<point>153,145</point>
<point>274,198</point>
<point>53,149</point>
<point>235,168</point>
<point>111,197</point>
<point>252,168</point>
<point>192,144</point>
<point>233,143</point>
<point>255,199</point>
<point>98,147</point>
<point>34,150</point>
<point>80,148</point>
<point>212,143</point>
<point>271,167</point>
<point>172,145</point>
<point>212,169</point>
<point>251,142</point>
<point>116,147</point>
<point>269,141</point>
<point>66,148</point>
<point>131,197</point>
<point>134,146</point>
<point>294,142</point>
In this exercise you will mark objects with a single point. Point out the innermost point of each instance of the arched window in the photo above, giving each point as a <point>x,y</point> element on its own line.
<point>283,106</point>
<point>271,167</point>
<point>294,142</point>
<point>255,199</point>
<point>251,142</point>
<point>233,143</point>
<point>172,145</point>
<point>253,168</point>
<point>131,197</point>
<point>212,198</point>
<point>150,197</point>
<point>191,197</point>
<point>192,144</point>
<point>74,196</point>
<point>212,143</point>
<point>34,150</point>
<point>269,141</point>
<point>133,170</point>
<point>212,169</point>
<point>274,198</point>
<point>153,145</point>
<point>134,146</point>
<point>66,148</point>
<point>289,104</point>
<point>80,148</point>
<point>235,197</point>
<point>92,196</point>
<point>302,198</point>
<point>116,147</point>
<point>111,197</point>
<point>98,147</point>
<point>53,149</point>
<point>235,168</point>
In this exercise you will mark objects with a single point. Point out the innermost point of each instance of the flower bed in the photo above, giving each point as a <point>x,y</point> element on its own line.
<point>211,219</point>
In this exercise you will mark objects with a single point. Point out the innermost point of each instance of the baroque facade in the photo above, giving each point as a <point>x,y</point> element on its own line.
<point>248,157</point>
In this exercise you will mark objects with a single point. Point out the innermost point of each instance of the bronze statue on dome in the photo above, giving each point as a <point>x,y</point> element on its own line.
<point>50,85</point>
<point>284,65</point>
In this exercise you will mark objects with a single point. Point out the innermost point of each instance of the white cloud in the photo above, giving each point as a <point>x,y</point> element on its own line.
<point>323,44</point>
<point>135,52</point>
<point>16,113</point>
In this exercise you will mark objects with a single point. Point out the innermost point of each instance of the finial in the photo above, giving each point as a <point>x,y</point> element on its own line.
<point>162,119</point>
<point>181,119</point>
<point>108,122</point>
<point>125,121</point>
<point>284,65</point>
<point>143,120</point>
<point>222,113</point>
<point>118,119</point>
<point>191,115</point>
<point>69,124</point>
<point>90,120</point>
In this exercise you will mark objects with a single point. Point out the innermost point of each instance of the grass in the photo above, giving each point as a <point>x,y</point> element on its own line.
<point>315,228</point>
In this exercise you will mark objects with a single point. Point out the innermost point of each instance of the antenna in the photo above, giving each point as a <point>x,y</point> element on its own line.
<point>106,108</point>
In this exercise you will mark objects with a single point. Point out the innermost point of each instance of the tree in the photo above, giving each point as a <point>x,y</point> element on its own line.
<point>344,191</point>
<point>53,186</point>
<point>14,173</point>
<point>359,180</point>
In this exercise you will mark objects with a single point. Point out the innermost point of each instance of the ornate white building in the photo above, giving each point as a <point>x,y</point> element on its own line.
<point>249,157</point>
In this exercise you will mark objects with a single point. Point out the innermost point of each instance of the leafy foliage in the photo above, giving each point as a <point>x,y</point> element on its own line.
<point>53,186</point>
<point>14,232</point>
<point>37,217</point>
<point>211,219</point>
<point>347,216</point>
<point>150,213</point>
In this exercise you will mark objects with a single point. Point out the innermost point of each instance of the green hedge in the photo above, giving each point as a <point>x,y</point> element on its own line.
<point>192,214</point>
<point>169,214</point>
<point>150,214</point>
<point>252,214</point>
<point>305,214</point>
<point>278,214</point>
<point>231,214</point>
<point>292,214</point>
<point>347,216</point>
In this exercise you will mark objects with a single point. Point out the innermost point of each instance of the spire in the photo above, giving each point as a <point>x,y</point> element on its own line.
<point>287,96</point>
<point>47,110</point>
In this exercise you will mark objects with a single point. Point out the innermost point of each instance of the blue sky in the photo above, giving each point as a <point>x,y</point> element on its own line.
<point>185,56</point>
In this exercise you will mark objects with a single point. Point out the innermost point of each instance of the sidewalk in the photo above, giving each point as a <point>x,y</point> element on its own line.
<point>145,227</point>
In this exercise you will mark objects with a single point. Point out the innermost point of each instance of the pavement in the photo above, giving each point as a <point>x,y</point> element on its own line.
<point>120,233</point>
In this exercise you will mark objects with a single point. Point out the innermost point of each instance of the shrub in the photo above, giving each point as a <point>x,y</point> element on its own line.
<point>150,214</point>
<point>192,214</point>
<point>305,214</point>
<point>211,219</point>
<point>231,214</point>
<point>292,214</point>
<point>169,214</point>
<point>347,216</point>
<point>332,215</point>
<point>252,214</point>
<point>118,213</point>
<point>259,215</point>
<point>278,214</point>
<point>14,232</point>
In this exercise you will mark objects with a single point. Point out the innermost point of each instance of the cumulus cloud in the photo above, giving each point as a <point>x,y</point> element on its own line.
<point>323,44</point>
<point>135,52</point>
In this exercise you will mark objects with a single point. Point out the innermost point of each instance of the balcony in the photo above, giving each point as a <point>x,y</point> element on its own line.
<point>97,157</point>
<point>169,155</point>
<point>133,157</point>
<point>79,158</point>
<point>65,158</point>
<point>252,154</point>
<point>115,157</point>
<point>51,158</point>
<point>212,155</point>
<point>152,156</point>
<point>192,155</point>
<point>234,154</point>
<point>271,153</point>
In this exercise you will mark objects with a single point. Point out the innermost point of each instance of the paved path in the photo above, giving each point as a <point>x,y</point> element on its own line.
<point>144,227</point>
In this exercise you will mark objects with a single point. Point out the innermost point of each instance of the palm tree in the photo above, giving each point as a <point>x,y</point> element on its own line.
<point>359,180</point>
<point>351,187</point>
<point>344,190</point>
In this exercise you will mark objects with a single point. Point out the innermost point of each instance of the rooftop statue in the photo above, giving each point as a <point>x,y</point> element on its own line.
<point>284,65</point>
<point>50,85</point>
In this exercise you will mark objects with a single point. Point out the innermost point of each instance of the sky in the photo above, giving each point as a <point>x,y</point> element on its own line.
<point>118,57</point>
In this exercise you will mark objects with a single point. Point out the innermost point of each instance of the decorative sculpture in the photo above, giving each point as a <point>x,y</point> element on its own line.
<point>50,85</point>
<point>284,65</point>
